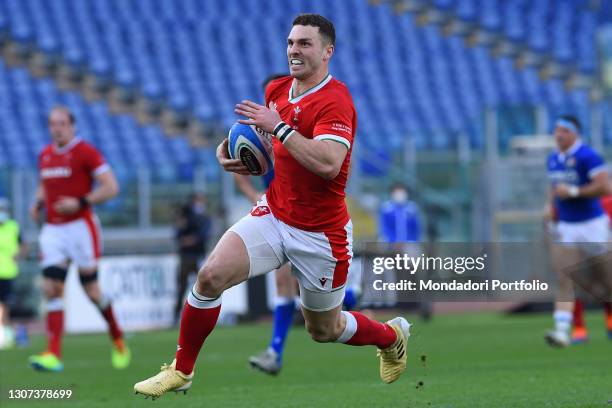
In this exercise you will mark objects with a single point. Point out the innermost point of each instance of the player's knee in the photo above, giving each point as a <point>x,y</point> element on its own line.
<point>210,282</point>
<point>52,291</point>
<point>321,333</point>
<point>54,281</point>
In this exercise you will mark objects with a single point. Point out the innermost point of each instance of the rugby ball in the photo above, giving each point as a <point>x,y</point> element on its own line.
<point>252,146</point>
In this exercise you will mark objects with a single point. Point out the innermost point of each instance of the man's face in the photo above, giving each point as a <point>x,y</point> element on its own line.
<point>306,51</point>
<point>399,195</point>
<point>564,138</point>
<point>60,127</point>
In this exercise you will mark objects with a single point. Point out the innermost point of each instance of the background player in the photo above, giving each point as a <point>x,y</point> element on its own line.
<point>11,247</point>
<point>578,178</point>
<point>69,167</point>
<point>580,333</point>
<point>302,219</point>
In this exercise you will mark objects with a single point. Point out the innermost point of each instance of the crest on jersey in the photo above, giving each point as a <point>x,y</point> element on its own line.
<point>260,211</point>
<point>571,162</point>
<point>296,112</point>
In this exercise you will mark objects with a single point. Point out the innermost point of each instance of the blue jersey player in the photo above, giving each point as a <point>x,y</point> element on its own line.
<point>578,178</point>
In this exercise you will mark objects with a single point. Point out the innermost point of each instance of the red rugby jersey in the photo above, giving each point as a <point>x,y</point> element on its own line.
<point>297,196</point>
<point>68,171</point>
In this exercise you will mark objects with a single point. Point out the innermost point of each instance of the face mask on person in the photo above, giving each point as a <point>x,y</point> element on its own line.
<point>399,196</point>
<point>199,208</point>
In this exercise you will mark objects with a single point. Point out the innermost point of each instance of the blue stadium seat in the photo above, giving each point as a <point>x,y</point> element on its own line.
<point>412,78</point>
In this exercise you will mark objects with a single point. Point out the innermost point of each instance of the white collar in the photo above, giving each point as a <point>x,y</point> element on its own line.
<point>312,90</point>
<point>572,149</point>
<point>69,146</point>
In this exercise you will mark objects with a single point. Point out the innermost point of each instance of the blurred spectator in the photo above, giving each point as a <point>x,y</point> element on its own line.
<point>193,228</point>
<point>400,226</point>
<point>399,217</point>
<point>11,247</point>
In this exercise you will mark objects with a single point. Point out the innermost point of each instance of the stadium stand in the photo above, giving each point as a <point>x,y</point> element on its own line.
<point>421,84</point>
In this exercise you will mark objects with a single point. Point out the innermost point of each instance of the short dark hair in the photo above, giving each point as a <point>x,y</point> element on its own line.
<point>326,27</point>
<point>271,78</point>
<point>398,184</point>
<point>574,120</point>
<point>67,111</point>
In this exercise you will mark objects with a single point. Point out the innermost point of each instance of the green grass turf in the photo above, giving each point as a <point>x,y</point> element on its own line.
<point>472,360</point>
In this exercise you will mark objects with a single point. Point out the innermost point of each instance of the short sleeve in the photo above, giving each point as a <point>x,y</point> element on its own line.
<point>335,122</point>
<point>594,164</point>
<point>94,161</point>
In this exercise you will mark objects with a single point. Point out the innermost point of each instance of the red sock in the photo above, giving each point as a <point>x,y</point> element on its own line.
<point>55,329</point>
<point>196,325</point>
<point>578,314</point>
<point>366,331</point>
<point>608,310</point>
<point>113,327</point>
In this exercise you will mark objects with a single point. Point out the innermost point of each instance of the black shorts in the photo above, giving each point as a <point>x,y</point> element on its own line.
<point>6,289</point>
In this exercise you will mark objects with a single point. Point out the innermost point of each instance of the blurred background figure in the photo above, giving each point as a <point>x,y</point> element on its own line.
<point>580,333</point>
<point>11,248</point>
<point>400,226</point>
<point>578,179</point>
<point>399,219</point>
<point>193,230</point>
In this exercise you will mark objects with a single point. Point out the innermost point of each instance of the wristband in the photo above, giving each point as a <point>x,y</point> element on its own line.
<point>573,191</point>
<point>83,203</point>
<point>283,131</point>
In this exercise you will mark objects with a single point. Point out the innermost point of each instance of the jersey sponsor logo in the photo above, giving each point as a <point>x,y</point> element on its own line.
<point>260,211</point>
<point>323,281</point>
<point>56,172</point>
<point>341,127</point>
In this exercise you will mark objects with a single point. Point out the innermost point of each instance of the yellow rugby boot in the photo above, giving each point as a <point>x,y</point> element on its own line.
<point>393,358</point>
<point>168,379</point>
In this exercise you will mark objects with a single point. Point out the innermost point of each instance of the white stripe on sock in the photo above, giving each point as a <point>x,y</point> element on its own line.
<point>282,301</point>
<point>563,320</point>
<point>104,302</point>
<point>200,301</point>
<point>349,329</point>
<point>55,305</point>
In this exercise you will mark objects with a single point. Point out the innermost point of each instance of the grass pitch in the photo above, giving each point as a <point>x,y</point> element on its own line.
<point>472,360</point>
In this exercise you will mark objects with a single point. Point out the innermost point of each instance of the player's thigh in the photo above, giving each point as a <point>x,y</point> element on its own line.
<point>320,261</point>
<point>84,243</point>
<point>227,265</point>
<point>261,243</point>
<point>52,243</point>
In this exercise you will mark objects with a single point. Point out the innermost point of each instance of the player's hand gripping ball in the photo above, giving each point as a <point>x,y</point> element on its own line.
<point>253,147</point>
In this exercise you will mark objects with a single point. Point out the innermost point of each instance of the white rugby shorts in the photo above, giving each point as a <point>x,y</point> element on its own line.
<point>79,241</point>
<point>320,260</point>
<point>592,236</point>
<point>594,230</point>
